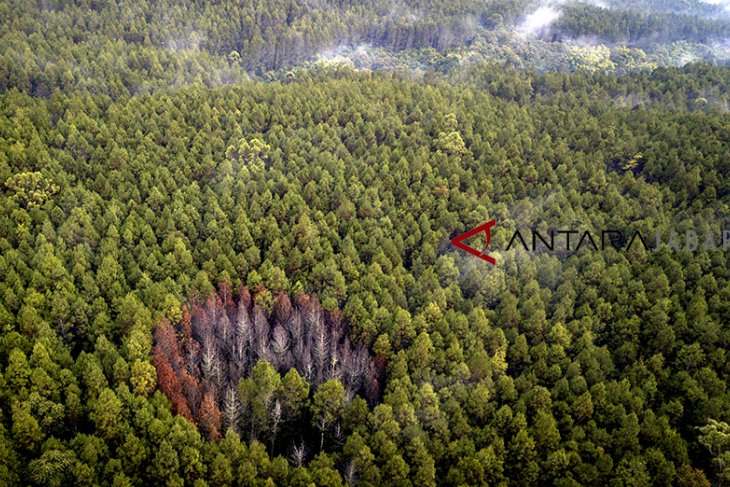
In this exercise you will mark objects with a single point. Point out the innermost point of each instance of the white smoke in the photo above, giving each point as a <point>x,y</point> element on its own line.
<point>538,20</point>
<point>548,12</point>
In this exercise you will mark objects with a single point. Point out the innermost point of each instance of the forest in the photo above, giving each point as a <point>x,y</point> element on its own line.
<point>633,27</point>
<point>221,264</point>
<point>120,49</point>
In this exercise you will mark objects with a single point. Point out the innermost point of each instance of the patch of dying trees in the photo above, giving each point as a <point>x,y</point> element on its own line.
<point>201,360</point>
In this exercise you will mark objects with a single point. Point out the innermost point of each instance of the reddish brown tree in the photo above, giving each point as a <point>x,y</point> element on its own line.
<point>170,386</point>
<point>209,417</point>
<point>201,359</point>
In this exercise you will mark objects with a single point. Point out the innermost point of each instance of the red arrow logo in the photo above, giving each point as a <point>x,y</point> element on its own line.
<point>459,240</point>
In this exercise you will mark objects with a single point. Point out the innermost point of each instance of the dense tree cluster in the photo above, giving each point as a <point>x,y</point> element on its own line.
<point>635,27</point>
<point>144,177</point>
<point>121,49</point>
<point>584,368</point>
<point>690,7</point>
